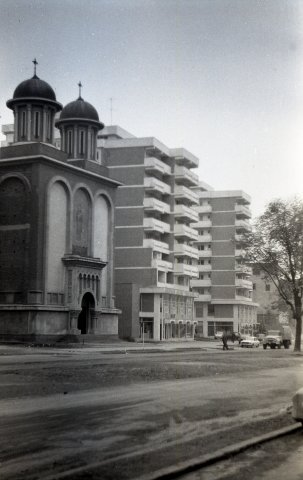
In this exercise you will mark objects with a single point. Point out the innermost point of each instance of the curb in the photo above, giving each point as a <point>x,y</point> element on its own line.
<point>190,466</point>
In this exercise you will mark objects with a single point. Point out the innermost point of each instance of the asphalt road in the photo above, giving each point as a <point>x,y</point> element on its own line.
<point>100,415</point>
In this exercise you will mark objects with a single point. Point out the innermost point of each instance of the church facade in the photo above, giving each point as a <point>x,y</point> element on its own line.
<point>56,221</point>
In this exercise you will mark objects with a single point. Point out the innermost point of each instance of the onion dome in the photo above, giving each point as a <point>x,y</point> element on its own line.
<point>79,109</point>
<point>34,89</point>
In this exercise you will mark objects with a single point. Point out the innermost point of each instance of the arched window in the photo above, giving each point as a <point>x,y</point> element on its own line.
<point>23,124</point>
<point>81,148</point>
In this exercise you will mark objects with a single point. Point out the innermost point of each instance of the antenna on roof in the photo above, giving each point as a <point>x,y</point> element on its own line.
<point>111,110</point>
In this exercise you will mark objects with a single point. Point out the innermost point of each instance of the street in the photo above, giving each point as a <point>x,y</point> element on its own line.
<point>108,415</point>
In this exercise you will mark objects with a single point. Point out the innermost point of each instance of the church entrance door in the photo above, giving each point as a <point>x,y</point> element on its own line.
<point>85,316</point>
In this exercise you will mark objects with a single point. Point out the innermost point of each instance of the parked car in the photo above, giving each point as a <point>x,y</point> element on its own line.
<point>250,342</point>
<point>218,335</point>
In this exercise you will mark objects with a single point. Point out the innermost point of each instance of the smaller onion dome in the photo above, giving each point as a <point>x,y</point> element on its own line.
<point>79,109</point>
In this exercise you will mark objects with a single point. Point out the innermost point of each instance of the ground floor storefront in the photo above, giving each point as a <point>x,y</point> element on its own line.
<point>166,314</point>
<point>228,317</point>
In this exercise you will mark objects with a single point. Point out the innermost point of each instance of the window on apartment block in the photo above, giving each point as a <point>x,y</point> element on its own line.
<point>254,286</point>
<point>267,287</point>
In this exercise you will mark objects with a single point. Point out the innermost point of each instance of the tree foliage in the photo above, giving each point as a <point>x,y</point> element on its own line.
<point>276,246</point>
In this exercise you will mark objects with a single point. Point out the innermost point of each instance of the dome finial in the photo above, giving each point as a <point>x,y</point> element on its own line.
<point>35,67</point>
<point>80,86</point>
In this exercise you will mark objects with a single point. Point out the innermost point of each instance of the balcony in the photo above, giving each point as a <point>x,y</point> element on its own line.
<point>243,297</point>
<point>244,269</point>
<point>183,250</point>
<point>207,238</point>
<point>185,176</point>
<point>156,245</point>
<point>162,264</point>
<point>8,128</point>
<point>242,283</point>
<point>240,253</point>
<point>186,194</point>
<point>154,185</point>
<point>243,225</point>
<point>183,231</point>
<point>152,224</point>
<point>203,224</point>
<point>203,297</point>
<point>154,205</point>
<point>154,165</point>
<point>205,268</point>
<point>204,209</point>
<point>183,269</point>
<point>205,253</point>
<point>243,211</point>
<point>201,283</point>
<point>184,212</point>
<point>183,156</point>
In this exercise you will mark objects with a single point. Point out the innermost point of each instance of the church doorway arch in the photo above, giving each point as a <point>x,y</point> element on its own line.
<point>85,320</point>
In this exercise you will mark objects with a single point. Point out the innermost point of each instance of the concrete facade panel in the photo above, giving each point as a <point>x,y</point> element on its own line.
<point>223,263</point>
<point>128,257</point>
<point>223,233</point>
<point>130,196</point>
<point>124,156</point>
<point>223,218</point>
<point>128,237</point>
<point>224,311</point>
<point>223,278</point>
<point>129,216</point>
<point>223,248</point>
<point>223,292</point>
<point>223,204</point>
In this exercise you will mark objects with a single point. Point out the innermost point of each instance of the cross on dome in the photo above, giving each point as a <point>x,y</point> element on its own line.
<point>35,66</point>
<point>80,86</point>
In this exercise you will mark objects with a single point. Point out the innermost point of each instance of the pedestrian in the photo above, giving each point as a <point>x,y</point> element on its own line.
<point>224,340</point>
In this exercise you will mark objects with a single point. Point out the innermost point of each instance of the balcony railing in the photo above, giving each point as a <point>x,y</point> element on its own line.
<point>153,164</point>
<point>203,297</point>
<point>162,264</point>
<point>186,270</point>
<point>207,238</point>
<point>202,224</point>
<point>244,269</point>
<point>204,268</point>
<point>184,175</point>
<point>205,253</point>
<point>204,209</point>
<point>242,225</point>
<point>242,283</point>
<point>183,250</point>
<point>181,230</point>
<point>154,184</point>
<point>156,245</point>
<point>201,283</point>
<point>187,194</point>
<point>153,224</point>
<point>243,211</point>
<point>182,211</point>
<point>154,205</point>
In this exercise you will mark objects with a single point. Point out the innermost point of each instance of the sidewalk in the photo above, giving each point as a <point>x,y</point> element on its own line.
<point>118,347</point>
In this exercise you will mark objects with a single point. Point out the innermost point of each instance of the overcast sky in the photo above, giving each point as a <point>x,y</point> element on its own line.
<point>221,78</point>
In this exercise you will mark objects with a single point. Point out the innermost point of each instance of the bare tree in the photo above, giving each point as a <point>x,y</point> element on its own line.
<point>276,246</point>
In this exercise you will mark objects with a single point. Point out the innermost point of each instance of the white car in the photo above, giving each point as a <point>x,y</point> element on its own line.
<point>250,342</point>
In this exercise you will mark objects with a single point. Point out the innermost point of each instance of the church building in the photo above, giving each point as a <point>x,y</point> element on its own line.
<point>56,221</point>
